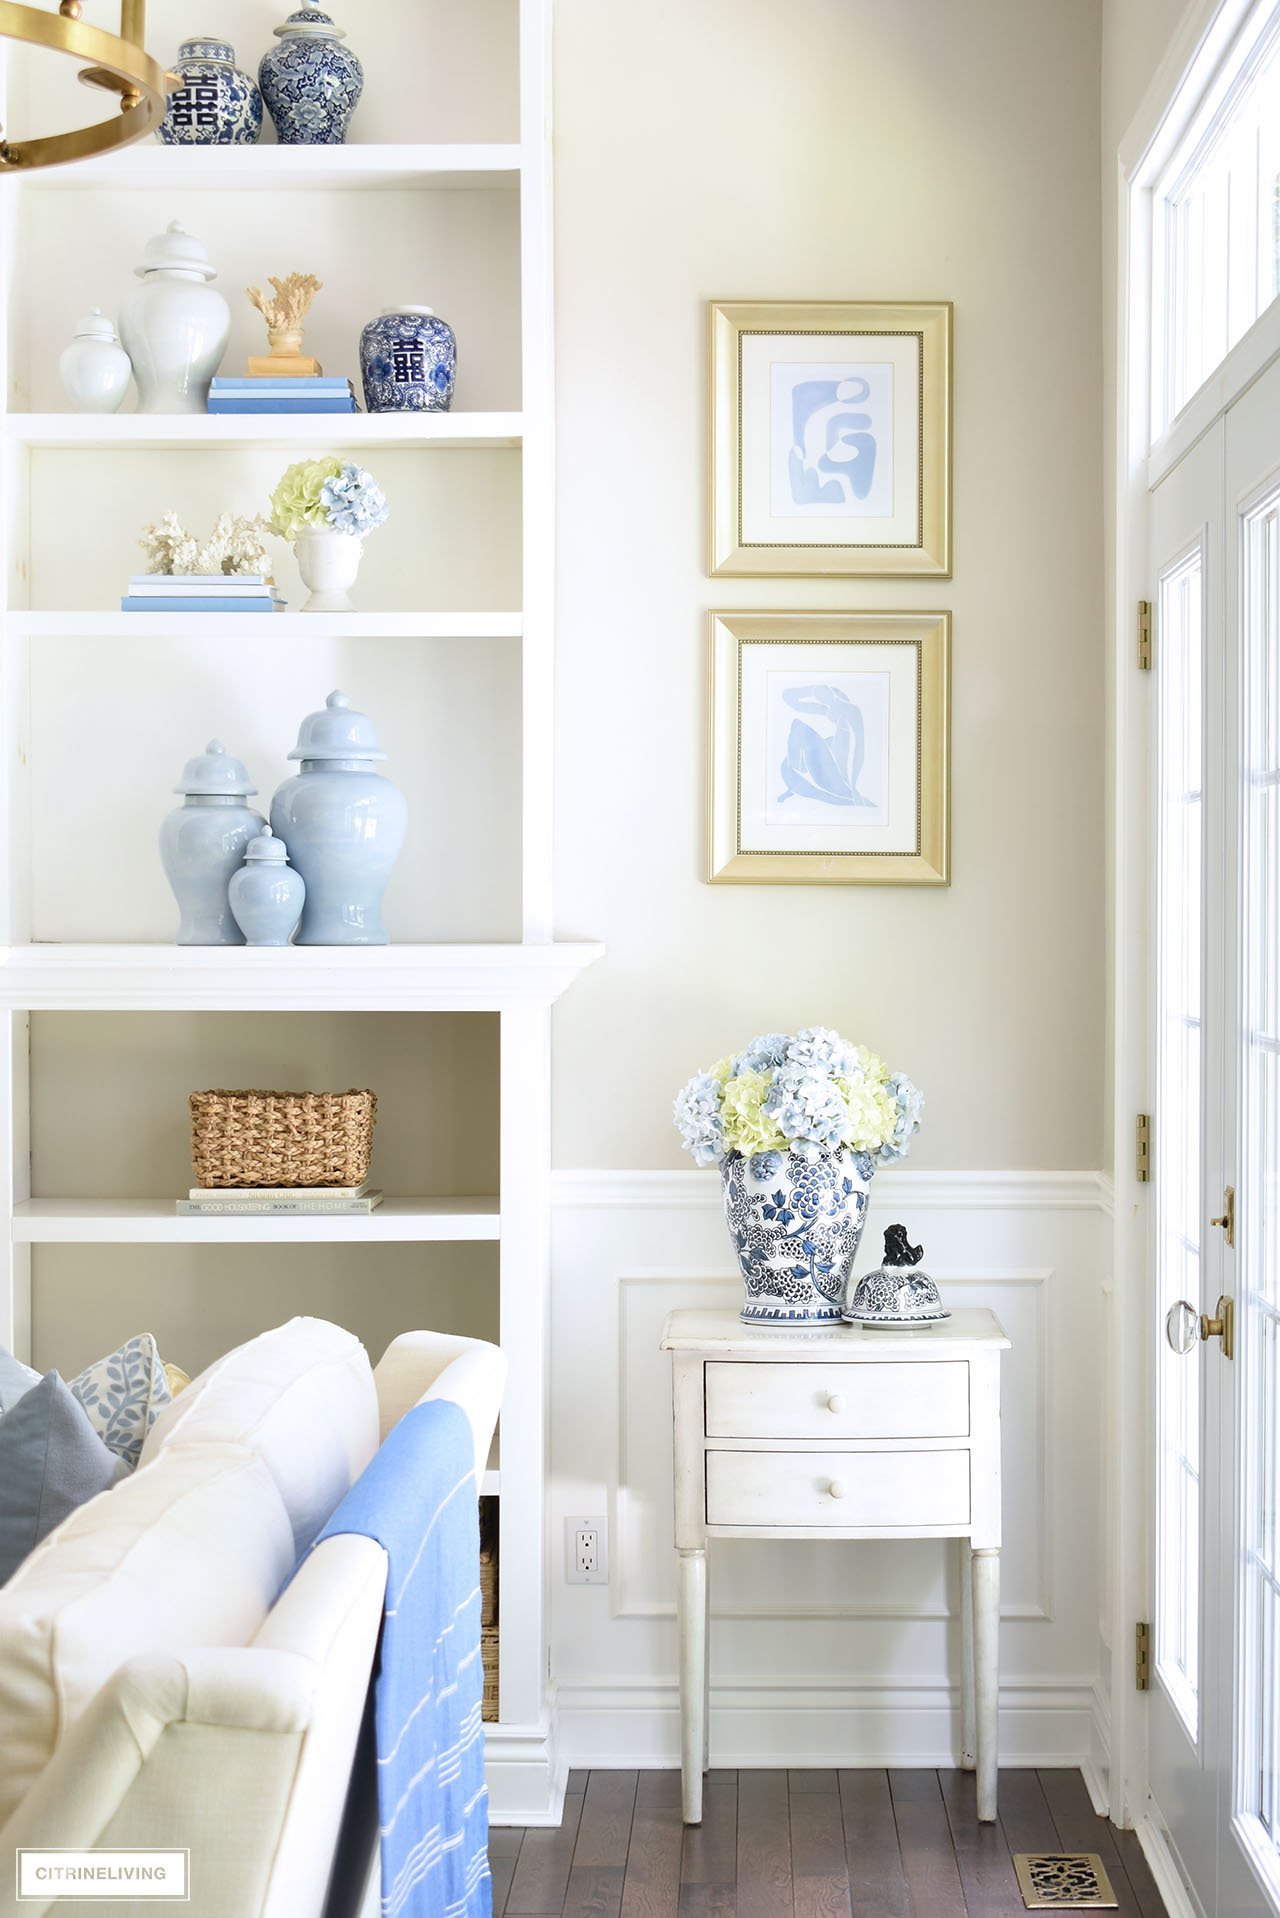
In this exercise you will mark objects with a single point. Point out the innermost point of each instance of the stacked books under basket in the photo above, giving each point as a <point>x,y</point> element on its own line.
<point>201,593</point>
<point>282,1153</point>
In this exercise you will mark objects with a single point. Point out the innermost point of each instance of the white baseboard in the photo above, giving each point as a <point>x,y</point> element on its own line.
<point>638,1725</point>
<point>1179,1900</point>
<point>526,1775</point>
<point>1097,1766</point>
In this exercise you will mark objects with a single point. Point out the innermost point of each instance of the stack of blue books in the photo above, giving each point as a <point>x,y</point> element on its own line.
<point>201,593</point>
<point>271,394</point>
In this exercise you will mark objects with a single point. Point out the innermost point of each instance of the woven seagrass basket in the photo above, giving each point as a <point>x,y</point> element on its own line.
<point>281,1138</point>
<point>489,1659</point>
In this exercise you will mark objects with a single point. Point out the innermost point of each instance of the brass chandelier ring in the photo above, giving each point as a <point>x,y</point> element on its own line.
<point>115,63</point>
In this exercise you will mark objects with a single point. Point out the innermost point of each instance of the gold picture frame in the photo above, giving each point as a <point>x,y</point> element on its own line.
<point>848,471</point>
<point>829,749</point>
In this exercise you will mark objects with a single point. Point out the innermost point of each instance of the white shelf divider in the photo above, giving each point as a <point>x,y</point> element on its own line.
<point>214,626</point>
<point>268,169</point>
<point>132,432</point>
<point>155,1222</point>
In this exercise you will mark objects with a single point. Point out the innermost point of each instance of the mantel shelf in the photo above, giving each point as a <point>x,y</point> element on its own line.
<point>267,169</point>
<point>408,978</point>
<point>149,431</point>
<point>155,1222</point>
<point>315,626</point>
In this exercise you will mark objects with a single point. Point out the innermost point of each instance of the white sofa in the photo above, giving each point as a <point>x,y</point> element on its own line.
<point>155,1690</point>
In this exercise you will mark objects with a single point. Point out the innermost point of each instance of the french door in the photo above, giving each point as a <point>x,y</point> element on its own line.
<point>1214,1712</point>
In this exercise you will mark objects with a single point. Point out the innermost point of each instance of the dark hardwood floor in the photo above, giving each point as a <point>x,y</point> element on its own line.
<point>804,1844</point>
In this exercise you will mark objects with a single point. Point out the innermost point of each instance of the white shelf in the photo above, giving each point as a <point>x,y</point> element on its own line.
<point>274,625</point>
<point>408,978</point>
<point>155,1222</point>
<point>268,169</point>
<point>491,1485</point>
<point>126,432</point>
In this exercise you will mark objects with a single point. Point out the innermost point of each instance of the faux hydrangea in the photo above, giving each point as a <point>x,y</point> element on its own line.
<point>807,1094</point>
<point>328,495</point>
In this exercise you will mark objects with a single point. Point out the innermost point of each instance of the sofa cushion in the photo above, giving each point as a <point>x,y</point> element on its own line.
<point>51,1461</point>
<point>123,1395</point>
<point>189,1552</point>
<point>303,1397</point>
<point>15,1379</point>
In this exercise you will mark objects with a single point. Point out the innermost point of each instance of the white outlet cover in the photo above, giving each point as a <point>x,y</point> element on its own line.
<point>599,1575</point>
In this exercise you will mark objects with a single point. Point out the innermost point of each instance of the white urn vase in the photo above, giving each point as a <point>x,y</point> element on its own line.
<point>329,562</point>
<point>175,328</point>
<point>95,368</point>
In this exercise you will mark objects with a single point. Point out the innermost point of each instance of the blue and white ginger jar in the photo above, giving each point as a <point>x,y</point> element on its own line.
<point>795,1224</point>
<point>216,105</point>
<point>409,360</point>
<point>310,82</point>
<point>344,825</point>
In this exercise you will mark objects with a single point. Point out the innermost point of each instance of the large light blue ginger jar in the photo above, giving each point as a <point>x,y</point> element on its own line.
<point>202,843</point>
<point>344,824</point>
<point>795,1219</point>
<point>310,82</point>
<point>266,895</point>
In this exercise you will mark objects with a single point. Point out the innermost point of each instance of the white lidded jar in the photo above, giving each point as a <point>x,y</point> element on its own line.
<point>95,368</point>
<point>175,328</point>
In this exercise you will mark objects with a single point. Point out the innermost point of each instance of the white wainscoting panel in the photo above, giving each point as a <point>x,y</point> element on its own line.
<point>825,1653</point>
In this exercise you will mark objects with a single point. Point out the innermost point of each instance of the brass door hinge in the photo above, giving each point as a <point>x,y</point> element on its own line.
<point>1144,635</point>
<point>1144,1148</point>
<point>1142,1666</point>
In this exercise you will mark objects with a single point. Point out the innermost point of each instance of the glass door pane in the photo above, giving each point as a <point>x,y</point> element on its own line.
<point>1176,1145</point>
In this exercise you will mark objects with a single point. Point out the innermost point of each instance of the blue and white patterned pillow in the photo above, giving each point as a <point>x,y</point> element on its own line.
<point>124,1395</point>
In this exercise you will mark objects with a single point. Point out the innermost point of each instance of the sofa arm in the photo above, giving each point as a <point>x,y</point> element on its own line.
<point>436,1365</point>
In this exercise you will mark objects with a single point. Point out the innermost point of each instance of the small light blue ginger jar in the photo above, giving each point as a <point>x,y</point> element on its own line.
<point>202,843</point>
<point>344,824</point>
<point>310,82</point>
<point>265,895</point>
<point>216,105</point>
<point>409,361</point>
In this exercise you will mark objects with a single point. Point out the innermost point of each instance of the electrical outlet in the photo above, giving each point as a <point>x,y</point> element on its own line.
<point>586,1551</point>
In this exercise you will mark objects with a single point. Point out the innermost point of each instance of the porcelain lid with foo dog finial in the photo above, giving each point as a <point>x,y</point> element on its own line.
<point>895,1294</point>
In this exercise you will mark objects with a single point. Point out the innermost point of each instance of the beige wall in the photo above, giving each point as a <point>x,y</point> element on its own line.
<point>832,149</point>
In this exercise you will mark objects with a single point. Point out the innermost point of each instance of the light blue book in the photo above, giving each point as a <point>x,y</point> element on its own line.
<point>224,603</point>
<point>266,405</point>
<point>255,383</point>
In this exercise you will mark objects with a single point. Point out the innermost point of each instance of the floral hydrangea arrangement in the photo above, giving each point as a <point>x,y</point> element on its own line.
<point>807,1094</point>
<point>327,495</point>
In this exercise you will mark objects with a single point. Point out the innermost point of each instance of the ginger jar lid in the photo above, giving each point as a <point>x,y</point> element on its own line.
<point>337,732</point>
<point>176,251</point>
<point>206,47</point>
<point>390,312</point>
<point>215,772</point>
<point>96,326</point>
<point>309,20</point>
<point>267,850</point>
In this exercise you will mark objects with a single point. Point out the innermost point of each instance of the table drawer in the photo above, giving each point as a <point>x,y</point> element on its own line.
<point>895,1490</point>
<point>885,1400</point>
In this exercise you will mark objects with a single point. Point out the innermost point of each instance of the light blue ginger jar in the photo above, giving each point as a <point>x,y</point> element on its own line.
<point>344,824</point>
<point>409,361</point>
<point>310,82</point>
<point>265,895</point>
<point>217,104</point>
<point>202,843</point>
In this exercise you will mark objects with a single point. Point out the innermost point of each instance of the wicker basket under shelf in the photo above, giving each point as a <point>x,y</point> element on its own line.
<point>281,1138</point>
<point>488,1561</point>
<point>489,1659</point>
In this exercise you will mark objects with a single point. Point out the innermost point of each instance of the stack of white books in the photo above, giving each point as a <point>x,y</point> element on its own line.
<point>286,1200</point>
<point>201,593</point>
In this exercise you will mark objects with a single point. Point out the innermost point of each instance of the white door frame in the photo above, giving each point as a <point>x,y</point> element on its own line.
<point>1206,33</point>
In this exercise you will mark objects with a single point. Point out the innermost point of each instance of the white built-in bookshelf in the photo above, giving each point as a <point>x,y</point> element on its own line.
<point>443,197</point>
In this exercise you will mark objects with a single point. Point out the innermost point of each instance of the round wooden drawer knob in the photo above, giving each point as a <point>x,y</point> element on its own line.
<point>836,1402</point>
<point>836,1488</point>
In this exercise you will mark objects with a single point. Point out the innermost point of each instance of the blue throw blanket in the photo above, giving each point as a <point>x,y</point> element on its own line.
<point>418,1500</point>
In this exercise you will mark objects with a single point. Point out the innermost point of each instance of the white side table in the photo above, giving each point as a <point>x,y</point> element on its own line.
<point>839,1433</point>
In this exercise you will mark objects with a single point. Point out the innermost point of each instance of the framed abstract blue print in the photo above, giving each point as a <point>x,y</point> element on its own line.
<point>830,750</point>
<point>831,439</point>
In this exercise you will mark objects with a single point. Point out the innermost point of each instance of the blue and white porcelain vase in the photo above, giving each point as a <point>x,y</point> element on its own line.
<point>310,82</point>
<point>344,824</point>
<point>265,895</point>
<point>409,361</point>
<point>216,105</point>
<point>796,1223</point>
<point>203,841</point>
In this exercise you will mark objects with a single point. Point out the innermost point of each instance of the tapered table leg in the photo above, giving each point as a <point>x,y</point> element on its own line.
<point>692,1609</point>
<point>706,1661</point>
<point>968,1728</point>
<point>986,1675</point>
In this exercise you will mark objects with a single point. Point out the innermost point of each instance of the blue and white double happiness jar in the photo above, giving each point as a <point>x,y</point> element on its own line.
<point>409,360</point>
<point>311,82</point>
<point>216,105</point>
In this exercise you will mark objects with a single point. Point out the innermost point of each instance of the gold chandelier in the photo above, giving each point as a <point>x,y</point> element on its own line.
<point>117,64</point>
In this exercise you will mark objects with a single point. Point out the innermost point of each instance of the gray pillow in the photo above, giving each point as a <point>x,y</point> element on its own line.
<point>15,1379</point>
<point>51,1461</point>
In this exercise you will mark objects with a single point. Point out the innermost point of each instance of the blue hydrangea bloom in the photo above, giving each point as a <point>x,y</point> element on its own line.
<point>697,1116</point>
<point>354,501</point>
